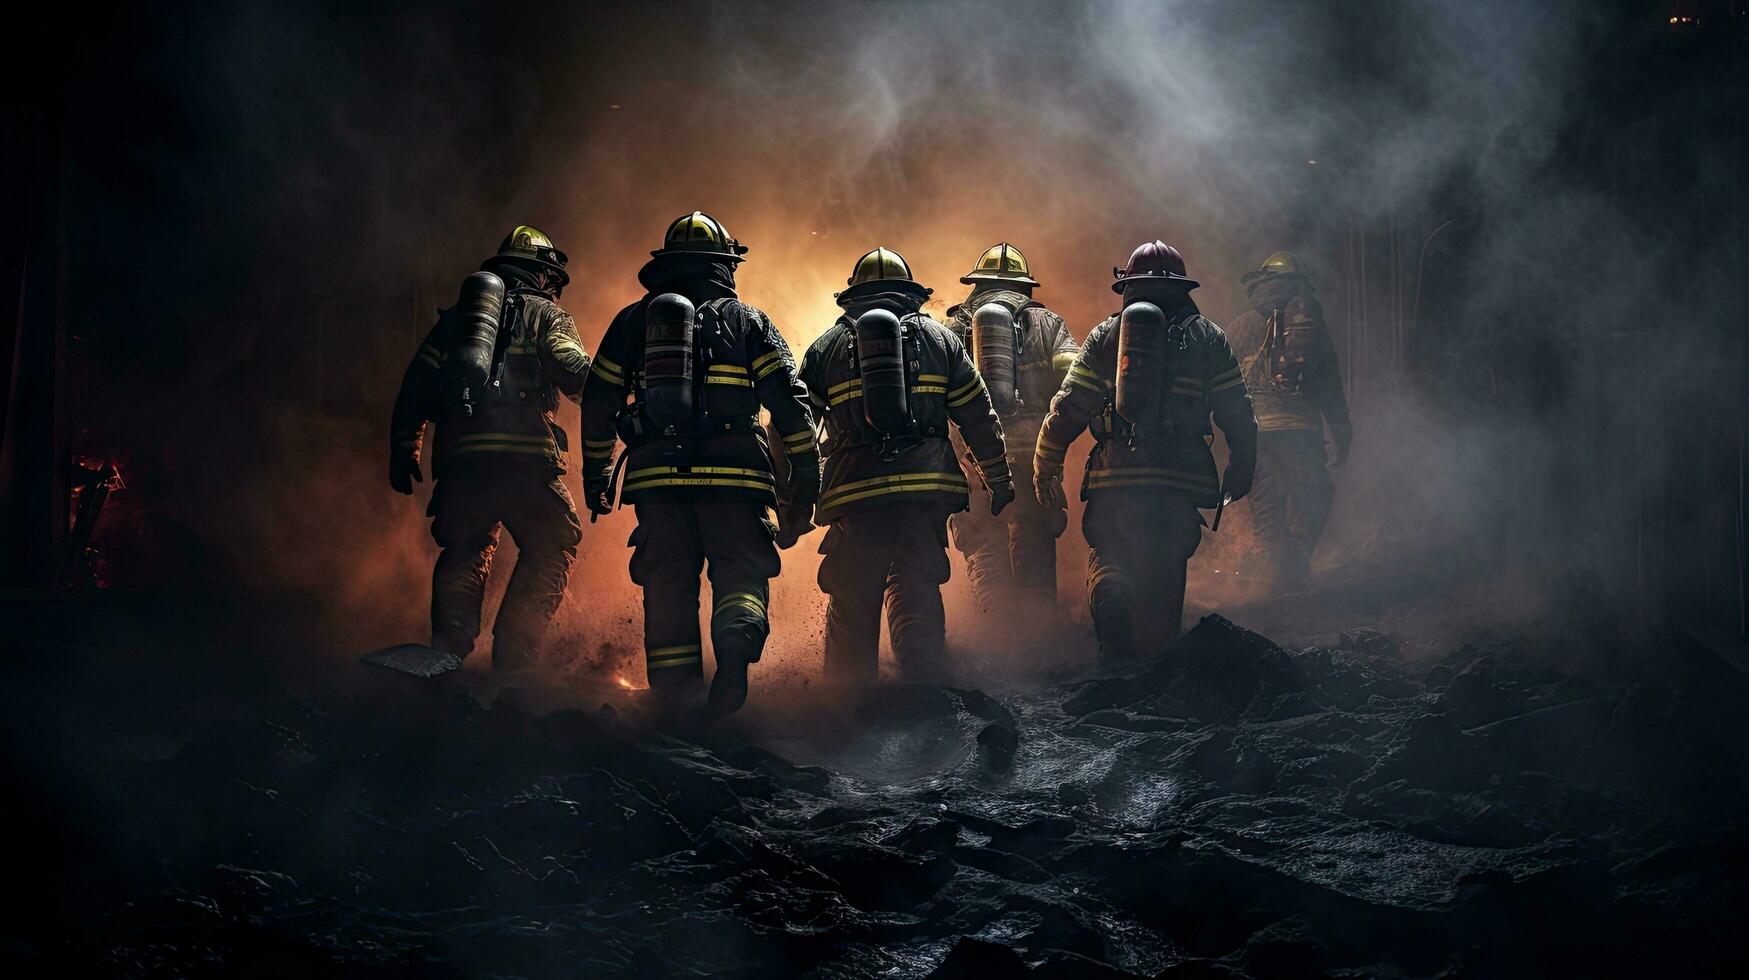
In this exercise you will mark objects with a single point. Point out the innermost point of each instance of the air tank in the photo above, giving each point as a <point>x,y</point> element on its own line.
<point>993,343</point>
<point>478,312</point>
<point>668,360</point>
<point>880,354</point>
<point>1141,365</point>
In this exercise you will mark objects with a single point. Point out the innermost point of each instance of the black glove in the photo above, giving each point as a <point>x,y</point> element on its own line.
<point>1001,495</point>
<point>793,521</point>
<point>1047,485</point>
<point>1238,480</point>
<point>596,487</point>
<point>1343,437</point>
<point>404,470</point>
<point>804,482</point>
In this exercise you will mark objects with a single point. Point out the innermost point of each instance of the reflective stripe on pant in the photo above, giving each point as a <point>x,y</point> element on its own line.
<point>1290,502</point>
<point>675,541</point>
<point>468,505</point>
<point>1139,542</point>
<point>892,556</point>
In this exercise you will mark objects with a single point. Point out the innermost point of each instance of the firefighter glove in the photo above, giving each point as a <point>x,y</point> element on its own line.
<point>1047,484</point>
<point>595,493</point>
<point>404,470</point>
<point>1001,495</point>
<point>1343,437</point>
<point>1238,480</point>
<point>793,521</point>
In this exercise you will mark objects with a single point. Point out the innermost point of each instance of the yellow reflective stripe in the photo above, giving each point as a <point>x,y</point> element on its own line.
<point>929,389</point>
<point>943,487</point>
<point>841,399</point>
<point>502,437</point>
<point>932,379</point>
<point>1227,375</point>
<point>726,369</point>
<point>976,382</point>
<point>566,344</point>
<point>706,470</point>
<point>767,362</point>
<point>676,656</point>
<point>600,443</point>
<point>711,379</point>
<point>966,395</point>
<point>746,600</point>
<point>1145,476</point>
<point>840,386</point>
<point>607,371</point>
<point>498,447</point>
<point>1063,360</point>
<point>431,355</point>
<point>683,481</point>
<point>802,450</point>
<point>889,480</point>
<point>992,461</point>
<point>805,435</point>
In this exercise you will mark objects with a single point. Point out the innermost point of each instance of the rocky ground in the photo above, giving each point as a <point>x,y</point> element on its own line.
<point>1225,809</point>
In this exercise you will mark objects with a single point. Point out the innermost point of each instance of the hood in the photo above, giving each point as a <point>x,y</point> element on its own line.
<point>697,278</point>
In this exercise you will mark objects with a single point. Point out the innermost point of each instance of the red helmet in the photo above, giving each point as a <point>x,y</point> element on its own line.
<point>1153,260</point>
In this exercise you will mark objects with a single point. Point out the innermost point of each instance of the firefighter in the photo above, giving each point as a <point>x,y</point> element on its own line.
<point>888,381</point>
<point>1146,382</point>
<point>489,375</point>
<point>680,378</point>
<point>1291,370</point>
<point>1023,350</point>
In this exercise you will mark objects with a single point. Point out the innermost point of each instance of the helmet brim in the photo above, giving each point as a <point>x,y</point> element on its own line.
<point>974,278</point>
<point>527,262</point>
<point>875,287</point>
<point>1186,281</point>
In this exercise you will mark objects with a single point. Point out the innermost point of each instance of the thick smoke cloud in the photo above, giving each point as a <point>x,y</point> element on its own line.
<point>371,159</point>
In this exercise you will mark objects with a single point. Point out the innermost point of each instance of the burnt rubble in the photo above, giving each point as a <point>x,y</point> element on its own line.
<point>1224,809</point>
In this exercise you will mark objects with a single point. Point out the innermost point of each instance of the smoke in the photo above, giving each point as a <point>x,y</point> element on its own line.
<point>373,158</point>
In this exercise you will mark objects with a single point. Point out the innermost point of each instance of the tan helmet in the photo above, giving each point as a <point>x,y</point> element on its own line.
<point>700,234</point>
<point>530,247</point>
<point>1278,264</point>
<point>881,270</point>
<point>1000,262</point>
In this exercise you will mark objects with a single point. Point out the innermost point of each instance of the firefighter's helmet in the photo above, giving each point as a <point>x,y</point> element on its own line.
<point>530,248</point>
<point>1153,260</point>
<point>700,234</point>
<point>1000,262</point>
<point>1278,264</point>
<point>882,270</point>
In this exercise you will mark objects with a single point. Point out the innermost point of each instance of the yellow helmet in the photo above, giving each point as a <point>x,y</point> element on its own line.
<point>700,234</point>
<point>878,271</point>
<point>1001,262</point>
<point>1278,264</point>
<point>527,245</point>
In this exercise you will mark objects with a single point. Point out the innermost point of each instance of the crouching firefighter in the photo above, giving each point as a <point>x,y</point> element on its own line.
<point>1145,383</point>
<point>1023,351</point>
<point>680,378</point>
<point>888,382</point>
<point>489,375</point>
<point>1294,378</point>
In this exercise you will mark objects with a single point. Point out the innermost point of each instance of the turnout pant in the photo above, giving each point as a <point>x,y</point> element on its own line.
<point>1290,503</point>
<point>1013,558</point>
<point>892,556</point>
<point>675,541</point>
<point>468,506</point>
<point>1139,542</point>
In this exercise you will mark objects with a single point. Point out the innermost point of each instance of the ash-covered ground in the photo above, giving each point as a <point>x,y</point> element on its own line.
<point>1565,807</point>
